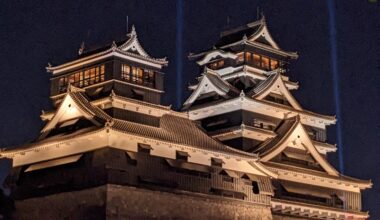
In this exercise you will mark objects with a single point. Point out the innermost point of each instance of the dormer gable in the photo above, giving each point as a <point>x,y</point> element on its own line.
<point>262,35</point>
<point>211,82</point>
<point>72,108</point>
<point>274,84</point>
<point>292,134</point>
<point>133,45</point>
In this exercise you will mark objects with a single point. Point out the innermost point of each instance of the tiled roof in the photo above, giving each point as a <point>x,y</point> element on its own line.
<point>172,128</point>
<point>177,130</point>
<point>221,83</point>
<point>237,34</point>
<point>86,106</point>
<point>263,85</point>
<point>282,131</point>
<point>142,102</point>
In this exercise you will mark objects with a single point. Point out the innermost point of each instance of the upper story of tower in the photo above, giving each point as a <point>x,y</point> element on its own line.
<point>250,46</point>
<point>124,67</point>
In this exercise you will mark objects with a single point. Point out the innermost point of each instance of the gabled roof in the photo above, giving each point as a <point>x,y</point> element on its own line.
<point>249,30</point>
<point>74,106</point>
<point>254,32</point>
<point>291,133</point>
<point>210,81</point>
<point>128,49</point>
<point>133,45</point>
<point>275,84</point>
<point>176,130</point>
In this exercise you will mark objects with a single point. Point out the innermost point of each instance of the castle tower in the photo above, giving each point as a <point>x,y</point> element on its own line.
<point>109,150</point>
<point>243,99</point>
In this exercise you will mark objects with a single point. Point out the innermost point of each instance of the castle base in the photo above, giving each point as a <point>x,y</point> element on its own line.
<point>124,202</point>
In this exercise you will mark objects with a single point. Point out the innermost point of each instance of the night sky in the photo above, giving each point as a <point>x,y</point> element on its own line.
<point>33,33</point>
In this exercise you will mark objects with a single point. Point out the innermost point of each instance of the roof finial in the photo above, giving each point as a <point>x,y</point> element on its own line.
<point>49,65</point>
<point>81,48</point>
<point>113,46</point>
<point>242,94</point>
<point>109,123</point>
<point>133,31</point>
<point>245,38</point>
<point>112,93</point>
<point>262,17</point>
<point>242,126</point>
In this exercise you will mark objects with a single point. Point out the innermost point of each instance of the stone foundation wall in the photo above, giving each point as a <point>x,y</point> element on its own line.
<point>124,202</point>
<point>83,204</point>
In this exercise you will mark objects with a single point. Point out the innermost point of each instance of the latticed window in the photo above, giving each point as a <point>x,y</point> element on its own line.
<point>240,58</point>
<point>273,64</point>
<point>265,63</point>
<point>125,72</point>
<point>137,75</point>
<point>261,61</point>
<point>257,60</point>
<point>82,78</point>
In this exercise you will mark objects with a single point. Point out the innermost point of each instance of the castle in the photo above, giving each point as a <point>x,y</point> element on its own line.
<point>242,147</point>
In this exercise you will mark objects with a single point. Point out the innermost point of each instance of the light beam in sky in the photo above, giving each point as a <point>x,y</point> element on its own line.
<point>179,52</point>
<point>335,73</point>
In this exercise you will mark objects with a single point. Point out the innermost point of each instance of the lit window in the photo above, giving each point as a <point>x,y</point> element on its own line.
<point>125,72</point>
<point>82,78</point>
<point>96,74</point>
<point>217,65</point>
<point>256,60</point>
<point>248,56</point>
<point>265,63</point>
<point>240,58</point>
<point>273,64</point>
<point>102,73</point>
<point>137,75</point>
<point>214,65</point>
<point>220,63</point>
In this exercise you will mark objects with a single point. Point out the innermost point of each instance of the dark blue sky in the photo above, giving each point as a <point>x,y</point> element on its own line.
<point>33,33</point>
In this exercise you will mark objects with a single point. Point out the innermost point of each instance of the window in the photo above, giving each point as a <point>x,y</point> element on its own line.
<point>261,61</point>
<point>226,177</point>
<point>217,65</point>
<point>181,155</point>
<point>137,75</point>
<point>265,63</point>
<point>82,78</point>
<point>273,64</point>
<point>255,187</point>
<point>256,60</point>
<point>148,78</point>
<point>216,162</point>
<point>143,148</point>
<point>263,124</point>
<point>125,72</point>
<point>248,57</point>
<point>240,58</point>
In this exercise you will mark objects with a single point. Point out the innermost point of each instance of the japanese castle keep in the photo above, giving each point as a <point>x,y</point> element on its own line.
<point>242,147</point>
